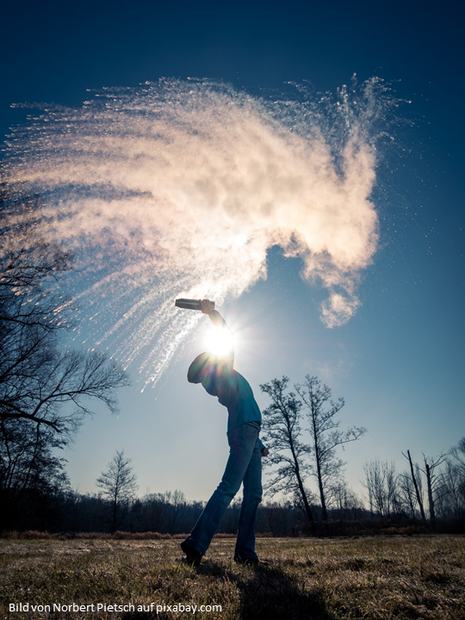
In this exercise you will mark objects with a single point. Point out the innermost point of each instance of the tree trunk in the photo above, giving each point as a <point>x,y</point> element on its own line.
<point>308,510</point>
<point>417,490</point>
<point>324,512</point>
<point>432,514</point>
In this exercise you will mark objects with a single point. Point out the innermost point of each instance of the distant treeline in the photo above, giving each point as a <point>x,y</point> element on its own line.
<point>71,514</point>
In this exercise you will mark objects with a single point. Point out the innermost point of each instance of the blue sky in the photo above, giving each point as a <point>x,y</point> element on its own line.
<point>399,361</point>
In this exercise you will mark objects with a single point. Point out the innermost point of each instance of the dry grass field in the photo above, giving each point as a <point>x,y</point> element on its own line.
<point>421,577</point>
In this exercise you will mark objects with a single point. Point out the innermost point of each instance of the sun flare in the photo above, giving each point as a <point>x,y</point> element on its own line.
<point>219,341</point>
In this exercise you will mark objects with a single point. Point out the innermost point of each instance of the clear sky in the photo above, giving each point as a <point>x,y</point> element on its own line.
<point>398,362</point>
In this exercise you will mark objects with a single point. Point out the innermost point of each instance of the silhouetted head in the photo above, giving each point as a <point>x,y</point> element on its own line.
<point>199,367</point>
<point>206,369</point>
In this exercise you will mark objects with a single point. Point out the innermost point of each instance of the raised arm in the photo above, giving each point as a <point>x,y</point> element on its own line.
<point>208,308</point>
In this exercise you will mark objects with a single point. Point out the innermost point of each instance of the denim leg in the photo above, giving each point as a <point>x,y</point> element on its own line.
<point>245,544</point>
<point>243,441</point>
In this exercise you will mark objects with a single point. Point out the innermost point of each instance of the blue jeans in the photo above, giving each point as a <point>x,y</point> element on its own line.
<point>243,466</point>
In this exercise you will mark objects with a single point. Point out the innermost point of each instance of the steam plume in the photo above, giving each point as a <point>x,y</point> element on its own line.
<point>180,188</point>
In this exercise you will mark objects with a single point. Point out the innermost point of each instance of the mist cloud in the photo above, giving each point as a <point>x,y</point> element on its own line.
<point>180,188</point>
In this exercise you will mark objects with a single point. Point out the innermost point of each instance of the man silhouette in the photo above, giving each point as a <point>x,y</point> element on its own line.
<point>218,377</point>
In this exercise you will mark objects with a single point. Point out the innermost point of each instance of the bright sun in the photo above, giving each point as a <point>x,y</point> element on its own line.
<point>219,341</point>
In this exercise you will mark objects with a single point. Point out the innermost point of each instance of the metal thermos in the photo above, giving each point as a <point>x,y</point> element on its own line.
<point>189,304</point>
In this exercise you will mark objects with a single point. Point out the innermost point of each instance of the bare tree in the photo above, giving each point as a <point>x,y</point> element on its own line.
<point>458,467</point>
<point>407,495</point>
<point>55,379</point>
<point>381,482</point>
<point>325,436</point>
<point>176,502</point>
<point>36,377</point>
<point>452,500</point>
<point>42,385</point>
<point>346,502</point>
<point>282,433</point>
<point>458,454</point>
<point>29,468</point>
<point>119,486</point>
<point>416,481</point>
<point>434,484</point>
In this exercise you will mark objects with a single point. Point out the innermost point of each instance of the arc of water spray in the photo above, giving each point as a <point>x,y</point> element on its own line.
<point>152,188</point>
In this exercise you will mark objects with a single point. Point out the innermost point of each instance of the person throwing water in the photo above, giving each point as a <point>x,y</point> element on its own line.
<point>219,378</point>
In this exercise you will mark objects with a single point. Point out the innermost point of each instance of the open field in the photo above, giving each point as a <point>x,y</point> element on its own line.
<point>377,578</point>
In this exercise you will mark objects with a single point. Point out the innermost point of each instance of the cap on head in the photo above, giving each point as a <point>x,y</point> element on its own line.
<point>199,367</point>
